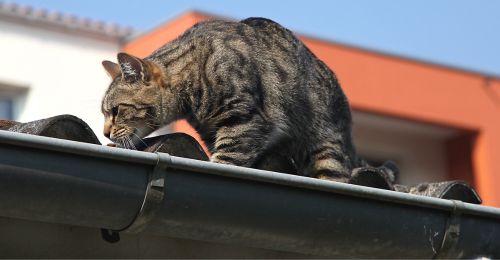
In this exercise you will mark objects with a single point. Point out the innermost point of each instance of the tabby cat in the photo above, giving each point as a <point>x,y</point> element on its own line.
<point>247,87</point>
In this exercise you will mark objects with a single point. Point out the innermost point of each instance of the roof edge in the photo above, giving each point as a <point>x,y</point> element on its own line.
<point>402,57</point>
<point>57,21</point>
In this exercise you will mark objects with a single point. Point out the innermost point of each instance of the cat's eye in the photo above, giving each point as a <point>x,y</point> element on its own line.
<point>114,111</point>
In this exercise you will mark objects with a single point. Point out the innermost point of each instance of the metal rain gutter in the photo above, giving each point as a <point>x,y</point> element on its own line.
<point>66,182</point>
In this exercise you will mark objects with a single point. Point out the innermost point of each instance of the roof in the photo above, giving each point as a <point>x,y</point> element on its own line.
<point>60,21</point>
<point>155,193</point>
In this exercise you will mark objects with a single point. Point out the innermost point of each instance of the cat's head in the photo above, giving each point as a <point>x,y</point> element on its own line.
<point>132,105</point>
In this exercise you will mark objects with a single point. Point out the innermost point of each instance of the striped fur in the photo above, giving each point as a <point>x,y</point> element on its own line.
<point>247,87</point>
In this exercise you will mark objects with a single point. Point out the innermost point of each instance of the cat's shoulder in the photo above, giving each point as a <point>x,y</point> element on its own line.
<point>268,25</point>
<point>213,24</point>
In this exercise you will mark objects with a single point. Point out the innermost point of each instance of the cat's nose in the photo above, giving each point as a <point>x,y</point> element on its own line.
<point>107,133</point>
<point>107,129</point>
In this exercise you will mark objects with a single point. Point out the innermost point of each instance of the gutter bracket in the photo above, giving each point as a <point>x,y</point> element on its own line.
<point>452,233</point>
<point>153,197</point>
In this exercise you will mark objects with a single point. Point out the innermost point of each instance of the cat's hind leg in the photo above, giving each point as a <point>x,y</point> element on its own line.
<point>241,144</point>
<point>330,161</point>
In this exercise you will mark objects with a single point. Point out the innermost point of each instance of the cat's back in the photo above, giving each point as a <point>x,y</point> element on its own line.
<point>270,28</point>
<point>260,33</point>
<point>263,54</point>
<point>214,29</point>
<point>283,63</point>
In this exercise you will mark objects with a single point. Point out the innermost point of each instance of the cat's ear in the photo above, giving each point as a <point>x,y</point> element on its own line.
<point>111,68</point>
<point>133,68</point>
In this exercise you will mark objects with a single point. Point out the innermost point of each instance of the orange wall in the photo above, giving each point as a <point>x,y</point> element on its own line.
<point>146,43</point>
<point>397,87</point>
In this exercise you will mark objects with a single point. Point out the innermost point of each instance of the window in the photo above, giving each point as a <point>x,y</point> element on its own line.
<point>6,108</point>
<point>423,152</point>
<point>11,98</point>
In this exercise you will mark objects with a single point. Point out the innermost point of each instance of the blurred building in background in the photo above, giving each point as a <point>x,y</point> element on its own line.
<point>436,122</point>
<point>51,64</point>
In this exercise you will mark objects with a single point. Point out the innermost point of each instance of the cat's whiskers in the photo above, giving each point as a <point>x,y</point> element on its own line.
<point>152,126</point>
<point>140,139</point>
<point>150,115</point>
<point>122,143</point>
<point>125,144</point>
<point>146,123</point>
<point>131,143</point>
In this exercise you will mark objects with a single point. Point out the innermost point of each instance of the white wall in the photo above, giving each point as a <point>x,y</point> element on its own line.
<point>62,71</point>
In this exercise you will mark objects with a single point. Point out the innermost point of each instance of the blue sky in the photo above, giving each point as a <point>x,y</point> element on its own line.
<point>459,33</point>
